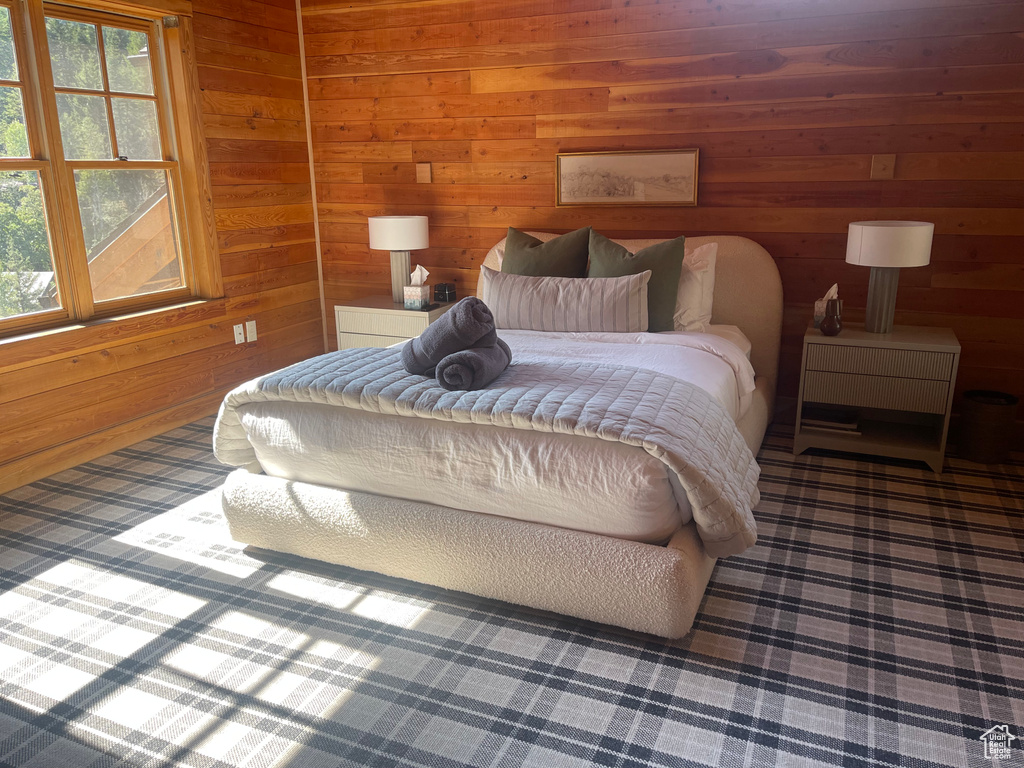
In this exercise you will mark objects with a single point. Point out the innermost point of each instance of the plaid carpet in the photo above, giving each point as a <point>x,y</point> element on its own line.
<point>878,621</point>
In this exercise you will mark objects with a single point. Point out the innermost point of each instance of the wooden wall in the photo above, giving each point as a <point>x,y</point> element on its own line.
<point>787,100</point>
<point>74,394</point>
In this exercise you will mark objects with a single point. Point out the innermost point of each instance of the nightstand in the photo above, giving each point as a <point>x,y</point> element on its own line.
<point>377,321</point>
<point>885,394</point>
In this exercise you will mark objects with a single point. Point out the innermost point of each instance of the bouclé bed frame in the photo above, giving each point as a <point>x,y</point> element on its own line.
<point>643,587</point>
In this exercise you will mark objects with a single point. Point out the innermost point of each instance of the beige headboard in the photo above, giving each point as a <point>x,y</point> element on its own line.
<point>748,294</point>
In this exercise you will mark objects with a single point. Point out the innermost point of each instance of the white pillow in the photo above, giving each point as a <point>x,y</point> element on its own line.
<point>580,304</point>
<point>695,299</point>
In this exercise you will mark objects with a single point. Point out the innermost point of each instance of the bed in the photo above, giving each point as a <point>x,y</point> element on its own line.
<point>447,529</point>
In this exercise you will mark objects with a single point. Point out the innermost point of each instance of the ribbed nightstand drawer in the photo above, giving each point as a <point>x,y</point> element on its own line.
<point>355,340</point>
<point>917,395</point>
<point>903,363</point>
<point>403,324</point>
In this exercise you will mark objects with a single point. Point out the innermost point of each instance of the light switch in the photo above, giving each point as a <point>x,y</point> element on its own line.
<point>239,334</point>
<point>250,330</point>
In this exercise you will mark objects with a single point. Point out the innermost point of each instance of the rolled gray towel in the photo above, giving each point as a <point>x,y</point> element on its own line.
<point>473,368</point>
<point>467,324</point>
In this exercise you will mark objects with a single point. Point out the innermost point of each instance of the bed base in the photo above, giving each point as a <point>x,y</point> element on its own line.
<point>643,587</point>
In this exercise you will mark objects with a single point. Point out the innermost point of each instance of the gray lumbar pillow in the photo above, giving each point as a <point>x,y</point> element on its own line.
<point>664,260</point>
<point>565,256</point>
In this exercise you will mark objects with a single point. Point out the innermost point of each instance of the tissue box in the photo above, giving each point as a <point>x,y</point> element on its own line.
<point>417,296</point>
<point>819,311</point>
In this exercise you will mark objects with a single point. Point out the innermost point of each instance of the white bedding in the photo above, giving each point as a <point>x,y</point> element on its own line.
<point>733,334</point>
<point>715,361</point>
<point>564,480</point>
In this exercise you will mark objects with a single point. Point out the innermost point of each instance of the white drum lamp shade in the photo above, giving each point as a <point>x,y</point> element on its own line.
<point>886,247</point>
<point>399,234</point>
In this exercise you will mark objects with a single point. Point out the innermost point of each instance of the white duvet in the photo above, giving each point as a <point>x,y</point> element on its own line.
<point>558,479</point>
<point>717,361</point>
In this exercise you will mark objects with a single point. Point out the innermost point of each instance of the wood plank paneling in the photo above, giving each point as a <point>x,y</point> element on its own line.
<point>787,100</point>
<point>536,44</point>
<point>73,394</point>
<point>740,67</point>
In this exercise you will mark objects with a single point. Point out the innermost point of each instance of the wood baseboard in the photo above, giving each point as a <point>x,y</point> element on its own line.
<point>66,455</point>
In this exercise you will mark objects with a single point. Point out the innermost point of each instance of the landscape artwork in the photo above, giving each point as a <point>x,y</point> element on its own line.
<point>658,177</point>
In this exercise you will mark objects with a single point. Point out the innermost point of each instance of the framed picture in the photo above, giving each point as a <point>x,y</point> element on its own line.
<point>655,177</point>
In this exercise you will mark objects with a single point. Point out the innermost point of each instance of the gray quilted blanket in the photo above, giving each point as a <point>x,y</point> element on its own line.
<point>672,420</point>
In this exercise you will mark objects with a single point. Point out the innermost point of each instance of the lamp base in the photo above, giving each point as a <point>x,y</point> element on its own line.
<point>401,267</point>
<point>881,307</point>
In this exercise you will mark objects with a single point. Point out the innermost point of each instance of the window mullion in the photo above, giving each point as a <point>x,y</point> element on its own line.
<point>67,224</point>
<point>18,164</point>
<point>28,72</point>
<point>164,98</point>
<point>24,55</point>
<point>120,165</point>
<point>181,225</point>
<point>106,91</point>
<point>113,128</point>
<point>90,92</point>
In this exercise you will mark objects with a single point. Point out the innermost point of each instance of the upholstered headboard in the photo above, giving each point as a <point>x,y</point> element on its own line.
<point>748,294</point>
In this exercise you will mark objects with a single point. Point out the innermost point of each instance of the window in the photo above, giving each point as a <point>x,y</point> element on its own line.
<point>96,137</point>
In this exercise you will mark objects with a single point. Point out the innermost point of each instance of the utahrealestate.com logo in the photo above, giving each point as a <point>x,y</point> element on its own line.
<point>998,741</point>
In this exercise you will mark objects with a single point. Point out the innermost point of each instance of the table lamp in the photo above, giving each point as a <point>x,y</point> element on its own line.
<point>398,234</point>
<point>886,247</point>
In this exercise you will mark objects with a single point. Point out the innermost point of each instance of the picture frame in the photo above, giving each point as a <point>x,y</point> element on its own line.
<point>656,177</point>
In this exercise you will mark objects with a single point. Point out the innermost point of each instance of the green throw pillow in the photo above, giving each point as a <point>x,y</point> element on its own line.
<point>565,256</point>
<point>665,260</point>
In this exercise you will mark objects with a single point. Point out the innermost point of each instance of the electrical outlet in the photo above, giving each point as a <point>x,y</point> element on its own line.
<point>250,330</point>
<point>239,334</point>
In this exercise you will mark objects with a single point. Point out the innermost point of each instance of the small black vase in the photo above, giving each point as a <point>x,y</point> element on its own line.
<point>832,323</point>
